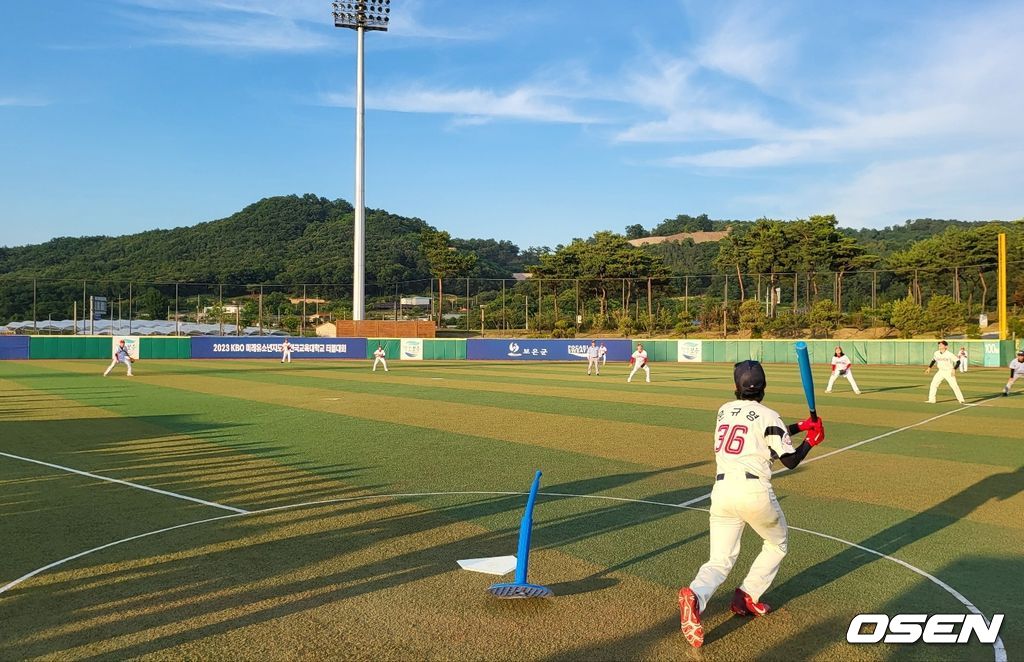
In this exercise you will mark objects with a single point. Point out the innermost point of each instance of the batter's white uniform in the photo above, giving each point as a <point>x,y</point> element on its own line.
<point>592,356</point>
<point>378,357</point>
<point>286,351</point>
<point>1016,370</point>
<point>120,356</point>
<point>640,361</point>
<point>963,359</point>
<point>747,435</point>
<point>944,362</point>
<point>841,364</point>
<point>602,352</point>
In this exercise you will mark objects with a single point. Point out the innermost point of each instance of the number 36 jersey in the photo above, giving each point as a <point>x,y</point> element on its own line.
<point>748,438</point>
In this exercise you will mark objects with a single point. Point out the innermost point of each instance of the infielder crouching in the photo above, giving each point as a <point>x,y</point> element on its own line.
<point>121,355</point>
<point>639,360</point>
<point>841,367</point>
<point>379,357</point>
<point>749,437</point>
<point>947,364</point>
<point>1016,370</point>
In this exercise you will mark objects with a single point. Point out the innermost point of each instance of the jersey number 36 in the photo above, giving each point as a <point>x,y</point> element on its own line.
<point>731,438</point>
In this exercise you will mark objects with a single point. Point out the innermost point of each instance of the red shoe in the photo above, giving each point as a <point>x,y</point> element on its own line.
<point>744,605</point>
<point>689,617</point>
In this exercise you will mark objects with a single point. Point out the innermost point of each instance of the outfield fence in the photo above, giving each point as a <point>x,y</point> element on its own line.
<point>987,353</point>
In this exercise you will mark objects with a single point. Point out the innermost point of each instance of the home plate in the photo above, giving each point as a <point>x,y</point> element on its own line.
<point>494,565</point>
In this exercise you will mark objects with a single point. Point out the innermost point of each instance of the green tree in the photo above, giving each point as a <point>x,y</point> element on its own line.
<point>445,260</point>
<point>152,304</point>
<point>752,317</point>
<point>823,317</point>
<point>907,317</point>
<point>943,314</point>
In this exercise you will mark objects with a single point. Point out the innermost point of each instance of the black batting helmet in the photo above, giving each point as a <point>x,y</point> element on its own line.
<point>750,380</point>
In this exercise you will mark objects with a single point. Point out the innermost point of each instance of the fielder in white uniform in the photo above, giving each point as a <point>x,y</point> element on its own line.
<point>286,351</point>
<point>947,365</point>
<point>379,357</point>
<point>120,356</point>
<point>639,360</point>
<point>1016,370</point>
<point>841,367</point>
<point>592,355</point>
<point>602,352</point>
<point>748,438</point>
<point>962,356</point>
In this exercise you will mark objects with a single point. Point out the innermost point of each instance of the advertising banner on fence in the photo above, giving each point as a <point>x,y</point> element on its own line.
<point>131,343</point>
<point>689,351</point>
<point>522,349</point>
<point>232,347</point>
<point>412,349</point>
<point>14,347</point>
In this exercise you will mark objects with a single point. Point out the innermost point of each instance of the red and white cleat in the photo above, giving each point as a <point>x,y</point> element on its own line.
<point>744,605</point>
<point>689,617</point>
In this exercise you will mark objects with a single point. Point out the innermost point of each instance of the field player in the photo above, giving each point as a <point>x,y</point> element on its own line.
<point>592,356</point>
<point>639,360</point>
<point>841,367</point>
<point>749,437</point>
<point>602,353</point>
<point>379,357</point>
<point>947,364</point>
<point>962,356</point>
<point>121,355</point>
<point>1016,370</point>
<point>286,351</point>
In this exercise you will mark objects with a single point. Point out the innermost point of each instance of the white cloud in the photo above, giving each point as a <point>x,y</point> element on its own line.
<point>23,102</point>
<point>747,45</point>
<point>472,106</point>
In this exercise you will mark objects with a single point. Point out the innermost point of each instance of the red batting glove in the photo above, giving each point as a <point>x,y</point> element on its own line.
<point>816,434</point>
<point>805,424</point>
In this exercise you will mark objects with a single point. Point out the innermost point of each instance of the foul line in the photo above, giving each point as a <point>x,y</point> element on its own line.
<point>137,486</point>
<point>999,649</point>
<point>859,443</point>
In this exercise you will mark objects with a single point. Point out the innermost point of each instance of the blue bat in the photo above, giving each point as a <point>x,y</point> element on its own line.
<point>806,378</point>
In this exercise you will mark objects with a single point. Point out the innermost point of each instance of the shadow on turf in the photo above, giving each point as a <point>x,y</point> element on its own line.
<point>230,586</point>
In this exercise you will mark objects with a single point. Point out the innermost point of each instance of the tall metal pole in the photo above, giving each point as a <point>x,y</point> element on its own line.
<point>359,256</point>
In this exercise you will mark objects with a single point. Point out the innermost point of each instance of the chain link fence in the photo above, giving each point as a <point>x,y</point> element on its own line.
<point>772,304</point>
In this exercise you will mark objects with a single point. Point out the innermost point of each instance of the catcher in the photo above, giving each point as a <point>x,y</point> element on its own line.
<point>749,437</point>
<point>121,355</point>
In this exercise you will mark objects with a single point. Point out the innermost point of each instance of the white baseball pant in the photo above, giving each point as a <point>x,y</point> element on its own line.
<point>637,366</point>
<point>592,363</point>
<point>735,502</point>
<point>113,364</point>
<point>286,357</point>
<point>849,377</point>
<point>379,359</point>
<point>950,379</point>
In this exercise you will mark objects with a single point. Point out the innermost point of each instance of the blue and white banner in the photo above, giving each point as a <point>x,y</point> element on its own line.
<point>689,351</point>
<point>516,349</point>
<point>233,347</point>
<point>411,349</point>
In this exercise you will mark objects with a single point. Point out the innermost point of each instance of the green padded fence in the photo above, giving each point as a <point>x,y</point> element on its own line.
<point>875,352</point>
<point>165,348</point>
<point>444,349</point>
<point>392,347</point>
<point>70,347</point>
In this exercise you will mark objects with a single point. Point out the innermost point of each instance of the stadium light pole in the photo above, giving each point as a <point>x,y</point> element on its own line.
<point>360,15</point>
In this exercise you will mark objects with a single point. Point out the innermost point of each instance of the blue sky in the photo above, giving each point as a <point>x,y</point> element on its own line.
<point>531,121</point>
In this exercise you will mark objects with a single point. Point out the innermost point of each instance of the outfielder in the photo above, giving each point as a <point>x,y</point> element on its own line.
<point>1016,370</point>
<point>947,364</point>
<point>286,351</point>
<point>962,356</point>
<point>121,355</point>
<point>841,367</point>
<point>379,357</point>
<point>639,360</point>
<point>592,356</point>
<point>602,352</point>
<point>748,438</point>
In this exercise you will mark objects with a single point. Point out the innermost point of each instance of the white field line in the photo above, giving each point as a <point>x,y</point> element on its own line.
<point>815,458</point>
<point>125,482</point>
<point>998,647</point>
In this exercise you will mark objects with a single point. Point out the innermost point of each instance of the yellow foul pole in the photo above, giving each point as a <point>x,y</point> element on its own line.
<point>1003,327</point>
